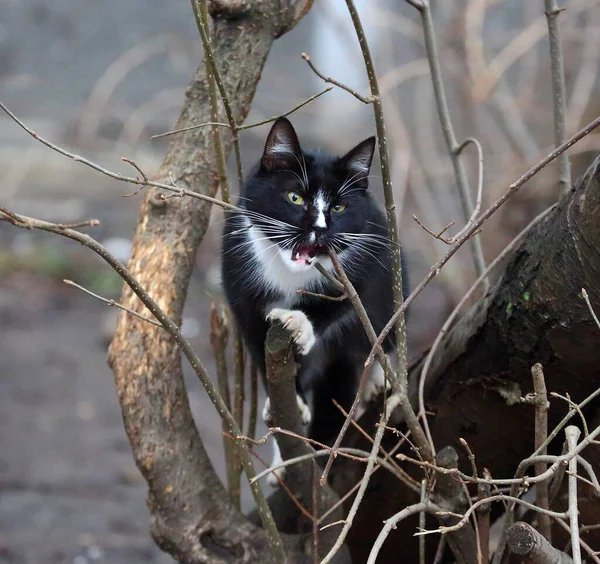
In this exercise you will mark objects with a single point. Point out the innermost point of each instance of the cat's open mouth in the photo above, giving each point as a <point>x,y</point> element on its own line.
<point>305,254</point>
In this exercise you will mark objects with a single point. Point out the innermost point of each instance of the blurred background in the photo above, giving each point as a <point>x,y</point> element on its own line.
<point>101,78</point>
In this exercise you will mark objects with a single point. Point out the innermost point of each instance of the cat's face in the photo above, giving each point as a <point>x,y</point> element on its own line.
<point>307,204</point>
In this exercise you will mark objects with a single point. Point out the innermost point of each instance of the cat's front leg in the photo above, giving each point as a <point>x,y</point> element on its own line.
<point>300,326</point>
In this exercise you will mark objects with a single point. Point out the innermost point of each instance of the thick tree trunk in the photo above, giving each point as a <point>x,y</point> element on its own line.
<point>191,515</point>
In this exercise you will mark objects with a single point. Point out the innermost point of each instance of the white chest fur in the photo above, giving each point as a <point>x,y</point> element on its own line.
<point>280,273</point>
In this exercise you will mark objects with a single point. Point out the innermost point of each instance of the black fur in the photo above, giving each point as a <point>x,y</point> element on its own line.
<point>332,367</point>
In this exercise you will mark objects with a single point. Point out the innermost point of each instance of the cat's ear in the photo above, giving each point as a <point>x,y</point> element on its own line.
<point>282,149</point>
<point>358,160</point>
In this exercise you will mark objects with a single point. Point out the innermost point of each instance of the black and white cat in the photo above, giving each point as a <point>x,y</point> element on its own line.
<point>299,205</point>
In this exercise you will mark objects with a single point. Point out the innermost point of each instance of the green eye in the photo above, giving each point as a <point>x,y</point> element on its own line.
<point>338,208</point>
<point>295,198</point>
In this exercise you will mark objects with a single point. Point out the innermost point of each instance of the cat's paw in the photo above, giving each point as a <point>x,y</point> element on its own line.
<point>305,412</point>
<point>301,328</point>
<point>266,412</point>
<point>376,383</point>
<point>375,386</point>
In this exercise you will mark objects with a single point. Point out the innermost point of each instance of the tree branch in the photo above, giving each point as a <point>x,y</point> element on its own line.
<point>559,92</point>
<point>529,547</point>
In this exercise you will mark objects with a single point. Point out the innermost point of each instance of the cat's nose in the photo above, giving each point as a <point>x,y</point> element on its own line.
<point>319,234</point>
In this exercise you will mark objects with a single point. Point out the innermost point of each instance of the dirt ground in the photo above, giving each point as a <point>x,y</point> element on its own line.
<point>69,488</point>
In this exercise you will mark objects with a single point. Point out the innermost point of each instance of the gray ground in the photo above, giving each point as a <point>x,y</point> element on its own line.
<point>69,489</point>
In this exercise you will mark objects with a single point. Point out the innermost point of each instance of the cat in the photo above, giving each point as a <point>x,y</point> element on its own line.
<point>298,205</point>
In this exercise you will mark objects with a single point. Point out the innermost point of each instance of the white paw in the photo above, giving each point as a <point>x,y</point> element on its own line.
<point>305,412</point>
<point>279,474</point>
<point>266,412</point>
<point>295,321</point>
<point>375,385</point>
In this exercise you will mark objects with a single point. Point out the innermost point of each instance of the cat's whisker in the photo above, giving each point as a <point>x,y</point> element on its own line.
<point>343,191</point>
<point>364,249</point>
<point>381,239</point>
<point>284,246</point>
<point>265,218</point>
<point>300,180</point>
<point>348,182</point>
<point>377,224</point>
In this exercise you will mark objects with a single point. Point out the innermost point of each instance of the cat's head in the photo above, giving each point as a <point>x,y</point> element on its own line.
<point>309,203</point>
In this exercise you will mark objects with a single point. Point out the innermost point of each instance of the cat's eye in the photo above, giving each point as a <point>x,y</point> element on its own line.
<point>338,208</point>
<point>295,198</point>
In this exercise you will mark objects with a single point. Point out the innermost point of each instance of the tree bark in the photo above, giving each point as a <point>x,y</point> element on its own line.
<point>191,517</point>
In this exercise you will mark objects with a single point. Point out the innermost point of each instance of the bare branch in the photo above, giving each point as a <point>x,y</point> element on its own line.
<point>588,303</point>
<point>390,524</point>
<point>454,148</point>
<point>572,434</point>
<point>285,414</point>
<point>200,13</point>
<point>116,175</point>
<point>540,435</point>
<point>363,99</point>
<point>530,547</point>
<point>559,94</point>
<point>246,126</point>
<point>113,303</point>
<point>391,403</point>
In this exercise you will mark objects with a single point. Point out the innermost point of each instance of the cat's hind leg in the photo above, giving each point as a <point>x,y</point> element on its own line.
<point>376,384</point>
<point>305,415</point>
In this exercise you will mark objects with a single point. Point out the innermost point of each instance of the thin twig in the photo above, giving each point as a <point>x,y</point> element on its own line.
<point>540,435</point>
<point>470,456</point>
<point>351,453</point>
<point>112,303</point>
<point>483,518</point>
<point>249,125</point>
<point>116,175</point>
<point>392,522</point>
<point>399,381</point>
<point>330,277</point>
<point>590,551</point>
<point>422,515</point>
<point>200,10</point>
<point>238,400</point>
<point>589,304</point>
<point>204,35</point>
<point>408,481</point>
<point>559,94</point>
<point>454,148</point>
<point>219,336</point>
<point>360,97</point>
<point>500,497</point>
<point>252,416</point>
<point>512,189</point>
<point>322,296</point>
<point>572,434</point>
<point>389,407</point>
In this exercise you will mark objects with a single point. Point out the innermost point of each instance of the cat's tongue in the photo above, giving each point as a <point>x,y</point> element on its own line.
<point>304,254</point>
